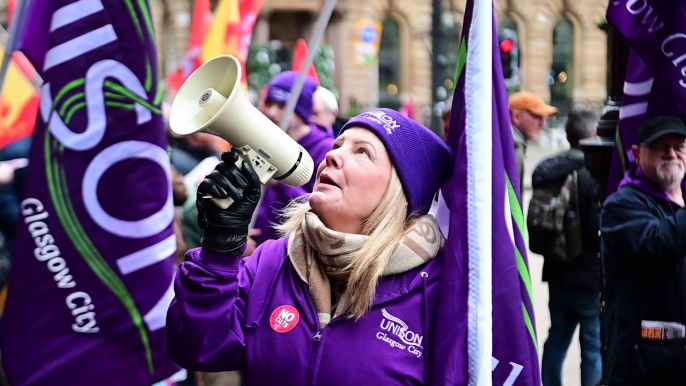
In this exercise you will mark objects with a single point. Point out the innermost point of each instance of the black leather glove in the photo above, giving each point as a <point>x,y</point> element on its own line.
<point>226,230</point>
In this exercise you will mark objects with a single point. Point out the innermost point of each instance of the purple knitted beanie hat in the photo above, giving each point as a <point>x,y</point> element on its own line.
<point>421,158</point>
<point>280,91</point>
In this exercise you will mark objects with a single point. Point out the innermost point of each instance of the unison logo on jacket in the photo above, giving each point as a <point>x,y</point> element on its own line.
<point>397,333</point>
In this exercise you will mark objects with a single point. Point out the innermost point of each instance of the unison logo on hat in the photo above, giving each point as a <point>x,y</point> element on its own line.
<point>384,119</point>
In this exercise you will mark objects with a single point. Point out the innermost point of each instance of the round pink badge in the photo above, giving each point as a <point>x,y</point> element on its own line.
<point>284,319</point>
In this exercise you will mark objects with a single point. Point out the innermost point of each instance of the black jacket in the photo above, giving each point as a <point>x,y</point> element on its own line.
<point>644,244</point>
<point>582,274</point>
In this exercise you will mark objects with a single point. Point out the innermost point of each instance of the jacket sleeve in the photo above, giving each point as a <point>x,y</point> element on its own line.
<point>204,321</point>
<point>628,223</point>
<point>519,153</point>
<point>589,208</point>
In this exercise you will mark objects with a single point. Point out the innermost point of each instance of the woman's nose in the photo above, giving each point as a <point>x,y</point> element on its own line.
<point>333,158</point>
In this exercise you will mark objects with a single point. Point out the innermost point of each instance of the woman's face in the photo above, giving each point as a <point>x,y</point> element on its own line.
<point>351,181</point>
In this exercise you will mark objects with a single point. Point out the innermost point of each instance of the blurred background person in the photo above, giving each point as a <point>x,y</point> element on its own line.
<point>573,281</point>
<point>528,113</point>
<point>325,109</point>
<point>317,142</point>
<point>187,152</point>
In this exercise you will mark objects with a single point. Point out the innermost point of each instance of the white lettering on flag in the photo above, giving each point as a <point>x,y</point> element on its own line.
<point>78,46</point>
<point>74,12</point>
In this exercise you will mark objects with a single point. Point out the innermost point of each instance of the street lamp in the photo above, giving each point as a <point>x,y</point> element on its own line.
<point>598,151</point>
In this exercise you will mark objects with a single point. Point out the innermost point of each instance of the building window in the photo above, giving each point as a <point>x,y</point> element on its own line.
<point>389,65</point>
<point>562,73</point>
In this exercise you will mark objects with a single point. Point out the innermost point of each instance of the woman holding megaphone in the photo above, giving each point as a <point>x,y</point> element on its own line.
<point>347,295</point>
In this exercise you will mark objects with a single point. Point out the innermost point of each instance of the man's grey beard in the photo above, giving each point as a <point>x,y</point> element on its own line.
<point>670,180</point>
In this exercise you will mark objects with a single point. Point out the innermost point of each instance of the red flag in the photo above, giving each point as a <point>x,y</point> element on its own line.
<point>241,33</point>
<point>250,11</point>
<point>11,5</point>
<point>299,57</point>
<point>202,19</point>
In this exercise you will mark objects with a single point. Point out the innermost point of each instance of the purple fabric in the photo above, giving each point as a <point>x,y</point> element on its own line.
<point>93,269</point>
<point>654,84</point>
<point>422,159</point>
<point>276,197</point>
<point>635,100</point>
<point>658,39</point>
<point>279,90</point>
<point>514,329</point>
<point>326,129</point>
<point>224,311</point>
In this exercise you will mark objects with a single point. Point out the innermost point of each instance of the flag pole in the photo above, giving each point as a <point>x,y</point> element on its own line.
<point>478,94</point>
<point>15,34</point>
<point>313,46</point>
<point>35,78</point>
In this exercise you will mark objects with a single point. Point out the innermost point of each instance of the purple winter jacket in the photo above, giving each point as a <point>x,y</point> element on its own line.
<point>256,314</point>
<point>275,197</point>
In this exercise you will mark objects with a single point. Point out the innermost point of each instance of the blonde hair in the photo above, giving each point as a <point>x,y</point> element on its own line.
<point>386,226</point>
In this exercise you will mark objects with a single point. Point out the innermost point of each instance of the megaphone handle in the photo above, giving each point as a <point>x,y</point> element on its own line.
<point>226,202</point>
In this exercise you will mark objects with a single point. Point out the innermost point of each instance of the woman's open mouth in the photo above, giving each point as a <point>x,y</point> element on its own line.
<point>325,179</point>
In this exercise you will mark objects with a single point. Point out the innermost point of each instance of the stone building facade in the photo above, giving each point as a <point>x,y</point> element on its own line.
<point>534,20</point>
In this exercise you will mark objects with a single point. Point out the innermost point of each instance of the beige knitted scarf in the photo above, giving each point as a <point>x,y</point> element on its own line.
<point>322,257</point>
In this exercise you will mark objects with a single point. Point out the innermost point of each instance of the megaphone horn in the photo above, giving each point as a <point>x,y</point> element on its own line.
<point>211,101</point>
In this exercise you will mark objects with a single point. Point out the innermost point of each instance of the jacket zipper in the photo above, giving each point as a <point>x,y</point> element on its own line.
<point>318,335</point>
<point>317,338</point>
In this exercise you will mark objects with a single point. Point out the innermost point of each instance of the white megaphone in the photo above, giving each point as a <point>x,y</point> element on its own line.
<point>211,101</point>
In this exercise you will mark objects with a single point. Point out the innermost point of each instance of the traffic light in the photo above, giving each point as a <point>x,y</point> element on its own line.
<point>506,47</point>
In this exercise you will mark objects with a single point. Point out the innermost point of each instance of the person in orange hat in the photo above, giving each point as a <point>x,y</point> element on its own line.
<point>528,113</point>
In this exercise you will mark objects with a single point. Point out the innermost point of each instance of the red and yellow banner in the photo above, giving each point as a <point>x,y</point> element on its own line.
<point>19,101</point>
<point>229,33</point>
<point>202,20</point>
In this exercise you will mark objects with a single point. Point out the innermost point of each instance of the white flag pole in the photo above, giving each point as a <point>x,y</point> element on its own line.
<point>478,90</point>
<point>313,47</point>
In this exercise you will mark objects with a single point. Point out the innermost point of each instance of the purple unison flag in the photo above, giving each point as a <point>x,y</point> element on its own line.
<point>656,73</point>
<point>513,336</point>
<point>659,37</point>
<point>632,114</point>
<point>92,273</point>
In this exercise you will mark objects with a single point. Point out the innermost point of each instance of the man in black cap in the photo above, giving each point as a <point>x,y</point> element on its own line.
<point>643,232</point>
